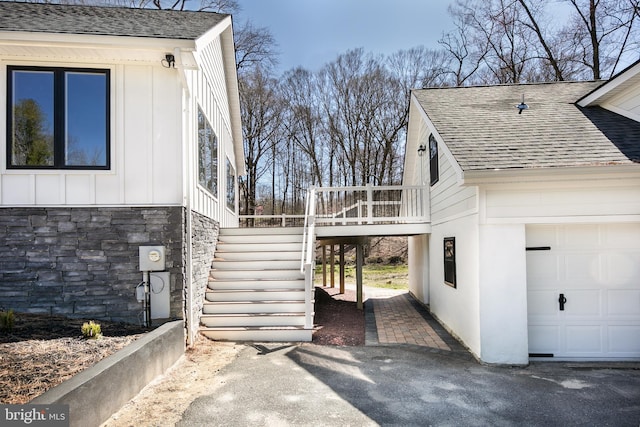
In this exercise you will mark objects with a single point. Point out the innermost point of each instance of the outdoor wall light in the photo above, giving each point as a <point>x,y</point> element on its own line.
<point>169,61</point>
<point>421,149</point>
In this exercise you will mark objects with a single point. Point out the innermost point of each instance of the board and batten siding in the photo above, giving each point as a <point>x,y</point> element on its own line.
<point>145,148</point>
<point>209,91</point>
<point>448,198</point>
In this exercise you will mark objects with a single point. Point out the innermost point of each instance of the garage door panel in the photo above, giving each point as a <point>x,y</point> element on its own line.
<point>544,338</point>
<point>582,269</point>
<point>542,303</point>
<point>583,339</point>
<point>620,236</point>
<point>545,235</point>
<point>623,303</point>
<point>622,269</point>
<point>579,236</point>
<point>597,268</point>
<point>583,303</point>
<point>543,270</point>
<point>624,339</point>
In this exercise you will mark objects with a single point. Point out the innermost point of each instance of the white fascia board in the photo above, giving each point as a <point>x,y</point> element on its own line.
<point>213,33</point>
<point>233,95</point>
<point>507,176</point>
<point>442,146</point>
<point>608,89</point>
<point>22,38</point>
<point>114,49</point>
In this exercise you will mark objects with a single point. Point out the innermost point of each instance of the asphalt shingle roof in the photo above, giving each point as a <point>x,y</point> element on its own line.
<point>112,21</point>
<point>483,130</point>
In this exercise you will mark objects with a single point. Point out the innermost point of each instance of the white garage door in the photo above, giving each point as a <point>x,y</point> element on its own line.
<point>583,291</point>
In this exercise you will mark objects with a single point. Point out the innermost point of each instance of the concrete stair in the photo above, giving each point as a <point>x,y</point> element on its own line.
<point>256,291</point>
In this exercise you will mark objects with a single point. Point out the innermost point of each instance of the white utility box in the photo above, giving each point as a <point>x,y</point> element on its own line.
<point>151,258</point>
<point>159,289</point>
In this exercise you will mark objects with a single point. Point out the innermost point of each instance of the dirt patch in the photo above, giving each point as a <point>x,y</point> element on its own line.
<point>164,400</point>
<point>43,351</point>
<point>337,319</point>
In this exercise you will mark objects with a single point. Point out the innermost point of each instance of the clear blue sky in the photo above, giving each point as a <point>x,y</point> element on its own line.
<point>311,33</point>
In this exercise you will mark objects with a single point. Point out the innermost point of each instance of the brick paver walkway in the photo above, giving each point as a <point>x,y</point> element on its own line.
<point>394,317</point>
<point>398,322</point>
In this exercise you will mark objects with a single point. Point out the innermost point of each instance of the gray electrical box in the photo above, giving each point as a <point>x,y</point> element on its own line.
<point>152,258</point>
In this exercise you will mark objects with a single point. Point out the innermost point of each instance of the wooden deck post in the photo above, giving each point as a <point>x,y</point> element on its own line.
<point>324,266</point>
<point>342,246</point>
<point>333,266</point>
<point>359,263</point>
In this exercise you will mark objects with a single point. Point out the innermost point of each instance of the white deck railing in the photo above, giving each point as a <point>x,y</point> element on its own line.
<point>371,205</point>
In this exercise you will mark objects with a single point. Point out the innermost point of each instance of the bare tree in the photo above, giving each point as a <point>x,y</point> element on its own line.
<point>261,110</point>
<point>466,55</point>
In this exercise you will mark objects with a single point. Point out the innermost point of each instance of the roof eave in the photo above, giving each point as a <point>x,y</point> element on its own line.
<point>26,38</point>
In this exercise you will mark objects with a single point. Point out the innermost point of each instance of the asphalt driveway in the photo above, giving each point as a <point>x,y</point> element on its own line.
<point>310,385</point>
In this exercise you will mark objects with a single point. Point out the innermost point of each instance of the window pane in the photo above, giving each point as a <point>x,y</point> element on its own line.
<point>32,114</point>
<point>231,186</point>
<point>86,119</point>
<point>207,155</point>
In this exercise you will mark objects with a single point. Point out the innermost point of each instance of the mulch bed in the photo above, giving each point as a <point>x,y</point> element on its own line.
<point>43,351</point>
<point>337,319</point>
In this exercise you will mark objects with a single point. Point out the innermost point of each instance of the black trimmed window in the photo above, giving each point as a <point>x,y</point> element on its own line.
<point>433,160</point>
<point>207,155</point>
<point>58,118</point>
<point>231,186</point>
<point>450,261</point>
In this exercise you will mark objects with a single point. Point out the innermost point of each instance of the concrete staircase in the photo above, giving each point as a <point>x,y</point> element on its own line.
<point>256,291</point>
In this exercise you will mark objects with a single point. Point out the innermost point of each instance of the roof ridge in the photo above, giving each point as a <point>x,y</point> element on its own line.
<point>511,84</point>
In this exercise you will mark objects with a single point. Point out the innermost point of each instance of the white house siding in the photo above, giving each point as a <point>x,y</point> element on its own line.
<point>145,148</point>
<point>209,88</point>
<point>448,198</point>
<point>502,294</point>
<point>572,201</point>
<point>418,254</point>
<point>457,309</point>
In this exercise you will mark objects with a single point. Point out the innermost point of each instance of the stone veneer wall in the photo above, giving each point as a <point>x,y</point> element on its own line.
<point>83,262</point>
<point>204,237</point>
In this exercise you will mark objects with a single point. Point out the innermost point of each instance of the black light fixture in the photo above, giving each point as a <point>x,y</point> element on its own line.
<point>169,61</point>
<point>421,149</point>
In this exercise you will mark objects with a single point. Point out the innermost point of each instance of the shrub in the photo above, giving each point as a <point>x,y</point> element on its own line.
<point>396,260</point>
<point>91,330</point>
<point>7,320</point>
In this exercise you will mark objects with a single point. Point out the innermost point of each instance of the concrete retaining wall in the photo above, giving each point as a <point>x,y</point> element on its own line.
<point>96,393</point>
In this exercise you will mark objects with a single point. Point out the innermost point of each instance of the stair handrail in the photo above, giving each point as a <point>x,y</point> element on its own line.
<point>308,254</point>
<point>309,228</point>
